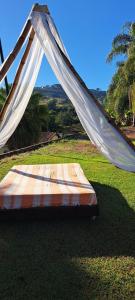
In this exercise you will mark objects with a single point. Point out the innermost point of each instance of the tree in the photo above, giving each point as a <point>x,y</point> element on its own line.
<point>118,100</point>
<point>2,97</point>
<point>52,104</point>
<point>29,129</point>
<point>122,43</point>
<point>132,99</point>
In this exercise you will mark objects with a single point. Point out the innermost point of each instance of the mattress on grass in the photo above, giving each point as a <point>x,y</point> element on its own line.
<point>27,186</point>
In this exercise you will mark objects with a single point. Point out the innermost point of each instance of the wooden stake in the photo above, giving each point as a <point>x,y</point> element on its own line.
<point>94,99</point>
<point>13,88</point>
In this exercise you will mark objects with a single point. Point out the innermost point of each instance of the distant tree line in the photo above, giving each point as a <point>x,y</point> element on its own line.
<point>62,115</point>
<point>55,115</point>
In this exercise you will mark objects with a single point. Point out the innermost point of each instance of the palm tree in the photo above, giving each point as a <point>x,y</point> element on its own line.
<point>118,95</point>
<point>122,43</point>
<point>132,101</point>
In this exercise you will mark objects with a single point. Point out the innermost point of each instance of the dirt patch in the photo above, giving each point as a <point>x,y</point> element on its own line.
<point>86,148</point>
<point>78,146</point>
<point>129,132</point>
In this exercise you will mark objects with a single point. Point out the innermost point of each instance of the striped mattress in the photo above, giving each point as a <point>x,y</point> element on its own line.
<point>27,186</point>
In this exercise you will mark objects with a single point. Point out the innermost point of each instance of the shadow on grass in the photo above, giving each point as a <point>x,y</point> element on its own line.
<point>110,235</point>
<point>46,259</point>
<point>115,227</point>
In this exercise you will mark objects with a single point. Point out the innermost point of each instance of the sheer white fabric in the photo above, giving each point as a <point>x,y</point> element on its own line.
<point>100,131</point>
<point>23,92</point>
<point>107,139</point>
<point>56,35</point>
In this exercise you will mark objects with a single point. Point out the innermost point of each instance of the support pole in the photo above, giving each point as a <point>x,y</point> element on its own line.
<point>10,59</point>
<point>12,91</point>
<point>2,60</point>
<point>8,62</point>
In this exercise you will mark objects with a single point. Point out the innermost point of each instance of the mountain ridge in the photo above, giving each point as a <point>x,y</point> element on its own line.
<point>56,91</point>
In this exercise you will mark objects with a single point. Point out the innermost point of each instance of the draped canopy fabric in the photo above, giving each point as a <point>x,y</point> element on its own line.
<point>107,139</point>
<point>22,94</point>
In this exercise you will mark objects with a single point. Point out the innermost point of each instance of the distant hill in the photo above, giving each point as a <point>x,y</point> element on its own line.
<point>56,91</point>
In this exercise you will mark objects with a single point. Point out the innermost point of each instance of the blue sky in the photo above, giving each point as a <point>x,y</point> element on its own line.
<point>87,28</point>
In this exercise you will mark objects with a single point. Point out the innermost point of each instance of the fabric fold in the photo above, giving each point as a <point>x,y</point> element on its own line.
<point>107,139</point>
<point>24,89</point>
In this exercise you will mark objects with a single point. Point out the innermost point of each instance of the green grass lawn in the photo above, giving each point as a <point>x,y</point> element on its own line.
<point>73,259</point>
